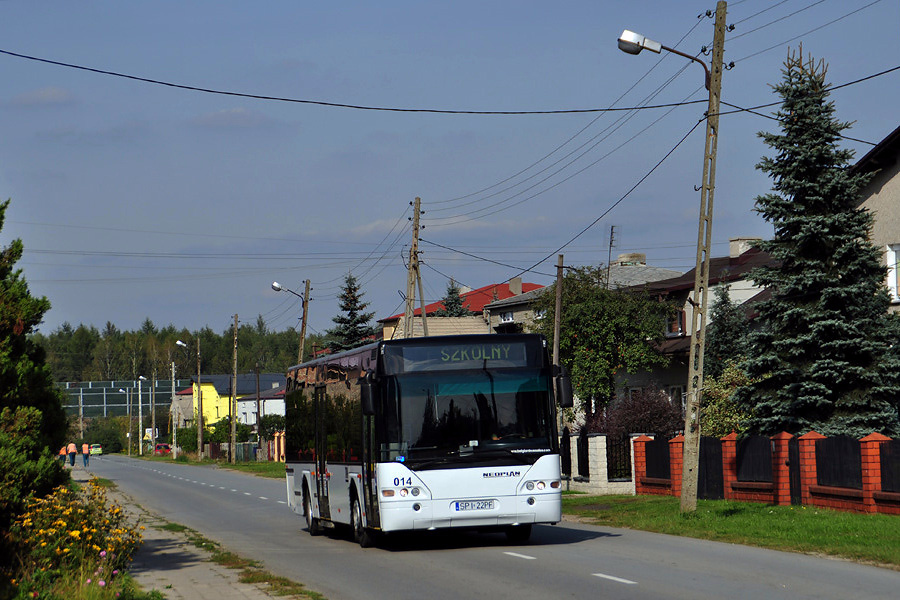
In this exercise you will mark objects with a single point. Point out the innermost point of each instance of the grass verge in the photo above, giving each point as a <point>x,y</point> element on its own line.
<point>250,571</point>
<point>867,538</point>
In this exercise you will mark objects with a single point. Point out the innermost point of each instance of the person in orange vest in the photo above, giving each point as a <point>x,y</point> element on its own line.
<point>72,449</point>
<point>85,452</point>
<point>62,455</point>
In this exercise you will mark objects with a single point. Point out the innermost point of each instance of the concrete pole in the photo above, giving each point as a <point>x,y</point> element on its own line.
<point>698,300</point>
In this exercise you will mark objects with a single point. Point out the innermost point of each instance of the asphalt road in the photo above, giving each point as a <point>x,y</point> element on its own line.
<point>249,515</point>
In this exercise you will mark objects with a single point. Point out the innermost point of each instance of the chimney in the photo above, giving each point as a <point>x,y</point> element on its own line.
<point>631,259</point>
<point>739,245</point>
<point>515,286</point>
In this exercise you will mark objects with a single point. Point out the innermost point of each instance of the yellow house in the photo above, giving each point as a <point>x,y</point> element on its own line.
<point>216,392</point>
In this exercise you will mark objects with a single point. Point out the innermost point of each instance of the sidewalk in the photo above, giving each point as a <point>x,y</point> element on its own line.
<point>167,562</point>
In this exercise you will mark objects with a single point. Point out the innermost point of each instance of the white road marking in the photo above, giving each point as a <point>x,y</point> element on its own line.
<point>233,490</point>
<point>247,494</point>
<point>282,502</point>
<point>617,579</point>
<point>263,498</point>
<point>517,555</point>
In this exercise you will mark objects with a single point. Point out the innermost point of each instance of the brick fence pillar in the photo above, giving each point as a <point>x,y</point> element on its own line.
<point>676,460</point>
<point>640,462</point>
<point>808,464</point>
<point>729,464</point>
<point>781,470</point>
<point>870,450</point>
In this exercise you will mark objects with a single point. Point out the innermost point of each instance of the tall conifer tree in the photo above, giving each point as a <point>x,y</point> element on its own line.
<point>352,327</point>
<point>822,358</point>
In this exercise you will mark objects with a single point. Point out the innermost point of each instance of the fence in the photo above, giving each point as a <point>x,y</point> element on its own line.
<point>599,463</point>
<point>840,473</point>
<point>103,398</point>
<point>243,451</point>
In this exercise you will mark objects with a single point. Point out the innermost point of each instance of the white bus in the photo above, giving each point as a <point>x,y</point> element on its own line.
<point>426,433</point>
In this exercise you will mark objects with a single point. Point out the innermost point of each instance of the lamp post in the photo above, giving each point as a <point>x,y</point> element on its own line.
<point>304,303</point>
<point>140,417</point>
<point>128,411</point>
<point>199,401</point>
<point>633,43</point>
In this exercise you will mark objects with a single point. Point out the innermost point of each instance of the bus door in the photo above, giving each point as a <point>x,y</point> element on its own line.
<point>322,474</point>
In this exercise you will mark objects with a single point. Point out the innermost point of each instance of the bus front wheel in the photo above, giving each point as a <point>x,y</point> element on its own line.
<point>361,535</point>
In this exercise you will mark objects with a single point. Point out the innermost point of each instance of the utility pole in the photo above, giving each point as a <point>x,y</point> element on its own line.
<point>698,300</point>
<point>233,404</point>
<point>258,413</point>
<point>140,418</point>
<point>173,408</point>
<point>199,405</point>
<point>612,238</point>
<point>130,421</point>
<point>153,411</point>
<point>305,304</point>
<point>557,316</point>
<point>413,275</point>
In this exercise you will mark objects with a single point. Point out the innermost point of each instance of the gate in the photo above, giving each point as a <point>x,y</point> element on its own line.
<point>794,470</point>
<point>565,451</point>
<point>710,482</point>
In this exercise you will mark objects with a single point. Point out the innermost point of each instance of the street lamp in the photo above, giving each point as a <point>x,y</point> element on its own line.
<point>199,401</point>
<point>304,303</point>
<point>633,43</point>
<point>140,417</point>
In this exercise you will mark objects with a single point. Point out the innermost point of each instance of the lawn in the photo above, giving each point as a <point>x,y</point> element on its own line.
<point>864,538</point>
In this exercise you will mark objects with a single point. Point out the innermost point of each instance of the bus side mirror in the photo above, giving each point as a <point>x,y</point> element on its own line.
<point>367,395</point>
<point>564,395</point>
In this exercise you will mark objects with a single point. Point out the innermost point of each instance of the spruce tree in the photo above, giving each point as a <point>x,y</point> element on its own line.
<point>453,303</point>
<point>821,359</point>
<point>352,327</point>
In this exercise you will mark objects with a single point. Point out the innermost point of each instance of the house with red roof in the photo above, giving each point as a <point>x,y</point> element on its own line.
<point>474,300</point>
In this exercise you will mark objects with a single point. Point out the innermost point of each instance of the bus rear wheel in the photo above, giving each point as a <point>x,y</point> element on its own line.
<point>518,534</point>
<point>361,535</point>
<point>312,524</point>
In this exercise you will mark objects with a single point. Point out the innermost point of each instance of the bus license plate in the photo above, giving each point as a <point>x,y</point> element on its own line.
<point>474,505</point>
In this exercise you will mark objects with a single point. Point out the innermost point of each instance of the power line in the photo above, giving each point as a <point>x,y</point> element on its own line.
<point>620,200</point>
<point>321,102</point>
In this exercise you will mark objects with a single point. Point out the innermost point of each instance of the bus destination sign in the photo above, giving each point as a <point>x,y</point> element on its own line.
<point>422,357</point>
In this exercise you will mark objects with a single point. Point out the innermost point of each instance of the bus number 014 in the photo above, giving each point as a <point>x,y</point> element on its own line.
<point>398,481</point>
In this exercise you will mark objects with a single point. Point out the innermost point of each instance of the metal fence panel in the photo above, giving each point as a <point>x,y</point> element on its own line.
<point>839,462</point>
<point>754,459</point>
<point>658,459</point>
<point>618,457</point>
<point>890,466</point>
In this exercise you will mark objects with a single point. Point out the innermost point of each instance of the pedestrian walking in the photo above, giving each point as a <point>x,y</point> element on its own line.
<point>85,453</point>
<point>62,455</point>
<point>72,449</point>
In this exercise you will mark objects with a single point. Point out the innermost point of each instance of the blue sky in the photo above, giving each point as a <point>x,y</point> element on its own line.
<point>137,200</point>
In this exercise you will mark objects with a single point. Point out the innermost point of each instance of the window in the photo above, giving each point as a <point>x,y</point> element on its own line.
<point>675,324</point>
<point>891,256</point>
<point>507,317</point>
<point>676,395</point>
<point>539,314</point>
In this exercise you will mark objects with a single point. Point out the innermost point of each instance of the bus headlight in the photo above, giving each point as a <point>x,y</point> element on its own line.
<point>541,485</point>
<point>529,486</point>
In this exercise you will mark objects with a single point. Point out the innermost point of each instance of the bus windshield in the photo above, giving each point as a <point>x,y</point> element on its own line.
<point>439,420</point>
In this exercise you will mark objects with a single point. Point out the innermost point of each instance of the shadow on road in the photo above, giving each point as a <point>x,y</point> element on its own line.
<point>163,555</point>
<point>444,539</point>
